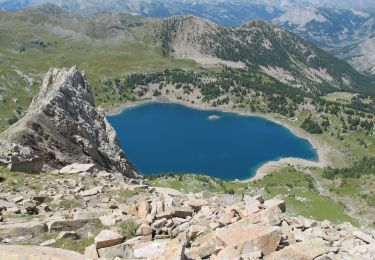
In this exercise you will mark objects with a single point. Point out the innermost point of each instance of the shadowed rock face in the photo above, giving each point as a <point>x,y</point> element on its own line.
<point>63,126</point>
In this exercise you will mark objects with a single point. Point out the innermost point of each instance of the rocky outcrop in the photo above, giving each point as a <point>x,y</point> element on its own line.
<point>143,222</point>
<point>62,126</point>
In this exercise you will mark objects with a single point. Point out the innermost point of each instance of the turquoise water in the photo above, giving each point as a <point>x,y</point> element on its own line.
<point>163,138</point>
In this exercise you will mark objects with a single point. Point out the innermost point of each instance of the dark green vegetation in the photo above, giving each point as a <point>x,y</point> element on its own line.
<point>128,228</point>
<point>365,166</point>
<point>311,126</point>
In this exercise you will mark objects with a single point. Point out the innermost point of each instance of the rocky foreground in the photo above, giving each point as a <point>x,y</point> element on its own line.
<point>105,218</point>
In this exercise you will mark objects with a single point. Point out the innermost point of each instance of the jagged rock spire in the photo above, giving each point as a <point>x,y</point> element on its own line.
<point>63,126</point>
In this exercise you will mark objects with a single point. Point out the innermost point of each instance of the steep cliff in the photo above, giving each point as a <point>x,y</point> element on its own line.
<point>63,126</point>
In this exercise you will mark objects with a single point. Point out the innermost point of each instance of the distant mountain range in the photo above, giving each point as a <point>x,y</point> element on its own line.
<point>258,45</point>
<point>348,32</point>
<point>162,8</point>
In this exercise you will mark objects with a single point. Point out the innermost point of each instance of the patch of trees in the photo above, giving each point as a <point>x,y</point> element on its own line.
<point>365,166</point>
<point>311,126</point>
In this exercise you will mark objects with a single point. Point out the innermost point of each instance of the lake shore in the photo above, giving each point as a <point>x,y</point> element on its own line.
<point>321,148</point>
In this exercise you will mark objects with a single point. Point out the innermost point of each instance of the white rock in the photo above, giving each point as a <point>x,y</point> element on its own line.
<point>150,249</point>
<point>365,237</point>
<point>91,192</point>
<point>77,168</point>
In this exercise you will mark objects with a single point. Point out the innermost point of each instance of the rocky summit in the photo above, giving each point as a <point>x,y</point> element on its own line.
<point>61,127</point>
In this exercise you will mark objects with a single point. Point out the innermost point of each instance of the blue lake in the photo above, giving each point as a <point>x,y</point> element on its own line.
<point>164,138</point>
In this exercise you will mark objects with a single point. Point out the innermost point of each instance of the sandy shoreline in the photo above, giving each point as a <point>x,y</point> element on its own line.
<point>322,149</point>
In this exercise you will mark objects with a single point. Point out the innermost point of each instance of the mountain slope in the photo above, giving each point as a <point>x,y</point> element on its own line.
<point>258,45</point>
<point>341,32</point>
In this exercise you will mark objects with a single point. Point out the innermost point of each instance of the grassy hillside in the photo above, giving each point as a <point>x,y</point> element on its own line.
<point>28,52</point>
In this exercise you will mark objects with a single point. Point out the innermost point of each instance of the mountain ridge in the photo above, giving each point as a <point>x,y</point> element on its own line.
<point>343,33</point>
<point>294,61</point>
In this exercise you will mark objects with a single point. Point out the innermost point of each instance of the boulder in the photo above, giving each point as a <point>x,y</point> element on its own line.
<point>13,210</point>
<point>150,250</point>
<point>108,220</point>
<point>143,208</point>
<point>33,228</point>
<point>250,238</point>
<point>226,218</point>
<point>364,237</point>
<point>182,212</point>
<point>197,204</point>
<point>37,252</point>
<point>174,251</point>
<point>165,214</point>
<point>66,224</point>
<point>91,213</point>
<point>77,168</point>
<point>275,203</point>
<point>229,252</point>
<point>34,165</point>
<point>202,247</point>
<point>195,231</point>
<point>144,230</point>
<point>107,238</point>
<point>159,223</point>
<point>91,192</point>
<point>251,204</point>
<point>121,250</point>
<point>91,252</point>
<point>301,251</point>
<point>180,228</point>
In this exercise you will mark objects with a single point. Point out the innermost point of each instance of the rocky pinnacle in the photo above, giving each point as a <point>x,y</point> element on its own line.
<point>63,126</point>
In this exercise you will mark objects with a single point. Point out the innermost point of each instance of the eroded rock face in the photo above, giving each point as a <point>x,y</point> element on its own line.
<point>63,126</point>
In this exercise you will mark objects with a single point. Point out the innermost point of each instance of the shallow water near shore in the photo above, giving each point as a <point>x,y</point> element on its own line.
<point>163,138</point>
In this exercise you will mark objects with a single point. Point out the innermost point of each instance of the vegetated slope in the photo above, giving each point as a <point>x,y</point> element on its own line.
<point>102,28</point>
<point>104,45</point>
<point>258,44</point>
<point>344,33</point>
